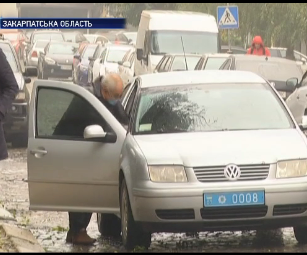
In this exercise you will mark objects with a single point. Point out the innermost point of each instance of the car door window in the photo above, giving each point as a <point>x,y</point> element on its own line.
<point>103,55</point>
<point>130,102</point>
<point>67,119</point>
<point>160,64</point>
<point>126,89</point>
<point>226,65</point>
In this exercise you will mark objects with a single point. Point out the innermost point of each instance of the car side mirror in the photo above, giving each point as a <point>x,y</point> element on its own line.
<point>120,63</point>
<point>94,131</point>
<point>127,64</point>
<point>139,54</point>
<point>91,58</point>
<point>27,80</point>
<point>100,61</point>
<point>292,82</point>
<point>77,57</point>
<point>303,126</point>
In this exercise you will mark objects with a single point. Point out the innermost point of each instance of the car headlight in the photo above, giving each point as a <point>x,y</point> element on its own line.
<point>49,61</point>
<point>167,174</point>
<point>291,169</point>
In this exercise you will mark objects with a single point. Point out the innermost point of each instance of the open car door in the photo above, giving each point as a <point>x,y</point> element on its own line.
<point>73,150</point>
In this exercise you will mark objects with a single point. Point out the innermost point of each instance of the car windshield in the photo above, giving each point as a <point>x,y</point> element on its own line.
<point>90,38</point>
<point>11,36</point>
<point>211,107</point>
<point>180,63</point>
<point>89,52</point>
<point>70,37</point>
<point>272,71</point>
<point>41,44</point>
<point>164,42</point>
<point>46,36</point>
<point>116,55</point>
<point>58,48</point>
<point>214,63</point>
<point>131,36</point>
<point>9,56</point>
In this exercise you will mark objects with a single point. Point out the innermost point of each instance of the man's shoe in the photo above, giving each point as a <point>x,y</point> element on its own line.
<point>82,238</point>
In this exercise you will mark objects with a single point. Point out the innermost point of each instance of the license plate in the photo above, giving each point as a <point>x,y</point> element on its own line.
<point>66,67</point>
<point>234,199</point>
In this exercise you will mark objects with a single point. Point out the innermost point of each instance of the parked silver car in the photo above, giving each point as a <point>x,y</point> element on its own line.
<point>204,150</point>
<point>37,48</point>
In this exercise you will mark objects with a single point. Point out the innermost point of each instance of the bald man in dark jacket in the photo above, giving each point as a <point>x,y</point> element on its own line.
<point>8,92</point>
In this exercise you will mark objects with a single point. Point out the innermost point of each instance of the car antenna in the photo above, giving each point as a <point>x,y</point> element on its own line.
<point>185,59</point>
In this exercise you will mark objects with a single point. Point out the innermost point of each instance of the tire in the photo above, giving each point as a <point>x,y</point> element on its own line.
<point>300,233</point>
<point>20,141</point>
<point>109,225</point>
<point>132,234</point>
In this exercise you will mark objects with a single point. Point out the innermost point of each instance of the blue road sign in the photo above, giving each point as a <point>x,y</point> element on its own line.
<point>228,17</point>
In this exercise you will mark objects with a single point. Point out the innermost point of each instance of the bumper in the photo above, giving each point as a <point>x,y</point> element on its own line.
<point>181,209</point>
<point>58,72</point>
<point>16,121</point>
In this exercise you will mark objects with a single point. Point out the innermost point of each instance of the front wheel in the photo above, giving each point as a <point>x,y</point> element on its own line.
<point>132,234</point>
<point>300,233</point>
<point>109,225</point>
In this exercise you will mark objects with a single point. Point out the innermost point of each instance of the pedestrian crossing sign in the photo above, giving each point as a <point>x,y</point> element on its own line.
<point>228,17</point>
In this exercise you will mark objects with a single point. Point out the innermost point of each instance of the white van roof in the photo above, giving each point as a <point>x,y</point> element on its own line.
<point>189,21</point>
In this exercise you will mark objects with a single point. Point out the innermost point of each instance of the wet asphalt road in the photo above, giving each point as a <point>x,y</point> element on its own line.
<point>50,227</point>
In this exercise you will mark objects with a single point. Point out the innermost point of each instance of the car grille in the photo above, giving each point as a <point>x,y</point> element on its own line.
<point>289,209</point>
<point>237,212</point>
<point>216,173</point>
<point>176,214</point>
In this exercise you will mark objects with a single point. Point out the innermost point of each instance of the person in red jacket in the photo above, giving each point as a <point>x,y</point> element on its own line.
<point>258,48</point>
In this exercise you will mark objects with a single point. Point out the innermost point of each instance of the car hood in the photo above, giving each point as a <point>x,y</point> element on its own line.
<point>20,80</point>
<point>222,148</point>
<point>61,58</point>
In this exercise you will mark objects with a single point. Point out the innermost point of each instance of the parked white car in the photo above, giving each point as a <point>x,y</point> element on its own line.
<point>204,150</point>
<point>108,62</point>
<point>126,67</point>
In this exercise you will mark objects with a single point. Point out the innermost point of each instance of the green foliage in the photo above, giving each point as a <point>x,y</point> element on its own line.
<point>280,24</point>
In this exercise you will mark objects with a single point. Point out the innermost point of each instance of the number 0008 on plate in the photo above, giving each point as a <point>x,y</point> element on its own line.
<point>242,198</point>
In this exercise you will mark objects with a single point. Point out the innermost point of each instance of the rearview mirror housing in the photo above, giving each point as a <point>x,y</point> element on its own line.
<point>96,133</point>
<point>139,54</point>
<point>77,56</point>
<point>292,82</point>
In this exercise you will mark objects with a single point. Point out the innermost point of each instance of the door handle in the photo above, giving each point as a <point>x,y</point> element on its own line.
<point>38,152</point>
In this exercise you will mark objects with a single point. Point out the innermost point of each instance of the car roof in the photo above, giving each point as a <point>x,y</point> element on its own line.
<point>198,77</point>
<point>182,55</point>
<point>217,55</point>
<point>47,32</point>
<point>121,46</point>
<point>263,58</point>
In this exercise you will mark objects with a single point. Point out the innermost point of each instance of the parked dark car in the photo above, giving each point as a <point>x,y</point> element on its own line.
<point>16,121</point>
<point>57,60</point>
<point>275,70</point>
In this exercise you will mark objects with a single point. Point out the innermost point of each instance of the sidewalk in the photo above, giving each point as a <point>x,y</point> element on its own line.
<point>15,238</point>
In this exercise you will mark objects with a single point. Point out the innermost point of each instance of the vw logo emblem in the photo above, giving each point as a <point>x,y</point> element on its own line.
<point>232,172</point>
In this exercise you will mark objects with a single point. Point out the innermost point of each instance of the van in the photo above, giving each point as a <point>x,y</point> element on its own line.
<point>167,32</point>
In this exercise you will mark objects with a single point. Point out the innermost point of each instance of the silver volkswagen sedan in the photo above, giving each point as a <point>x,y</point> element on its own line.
<point>204,150</point>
